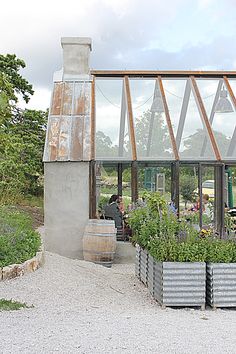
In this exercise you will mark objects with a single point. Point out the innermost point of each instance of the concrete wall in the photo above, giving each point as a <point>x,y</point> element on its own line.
<point>66,206</point>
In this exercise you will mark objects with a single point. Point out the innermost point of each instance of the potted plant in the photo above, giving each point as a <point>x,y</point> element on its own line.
<point>173,255</point>
<point>221,273</point>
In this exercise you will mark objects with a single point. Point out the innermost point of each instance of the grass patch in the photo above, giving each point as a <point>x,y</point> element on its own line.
<point>18,241</point>
<point>10,305</point>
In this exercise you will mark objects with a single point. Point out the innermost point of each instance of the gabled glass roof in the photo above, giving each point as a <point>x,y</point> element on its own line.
<point>165,118</point>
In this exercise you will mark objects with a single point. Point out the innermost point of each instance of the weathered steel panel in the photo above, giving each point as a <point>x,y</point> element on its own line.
<point>87,139</point>
<point>221,284</point>
<point>52,139</point>
<point>67,99</point>
<point>81,98</point>
<point>64,139</point>
<point>77,132</point>
<point>57,99</point>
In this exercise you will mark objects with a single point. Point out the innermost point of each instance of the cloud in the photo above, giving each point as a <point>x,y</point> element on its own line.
<point>127,34</point>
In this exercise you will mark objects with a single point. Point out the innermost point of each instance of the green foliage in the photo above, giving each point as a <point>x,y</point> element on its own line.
<point>10,65</point>
<point>160,142</point>
<point>187,186</point>
<point>10,305</point>
<point>155,220</point>
<point>193,143</point>
<point>22,135</point>
<point>103,201</point>
<point>172,250</point>
<point>168,239</point>
<point>18,240</point>
<point>221,251</point>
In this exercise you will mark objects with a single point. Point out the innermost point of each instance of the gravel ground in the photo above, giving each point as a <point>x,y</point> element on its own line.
<point>80,307</point>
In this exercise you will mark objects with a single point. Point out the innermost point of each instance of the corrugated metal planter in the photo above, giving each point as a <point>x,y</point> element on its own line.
<point>138,261</point>
<point>144,266</point>
<point>172,283</point>
<point>180,283</point>
<point>221,284</point>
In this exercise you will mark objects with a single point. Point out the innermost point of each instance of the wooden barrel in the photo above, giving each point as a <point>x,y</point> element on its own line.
<point>99,242</point>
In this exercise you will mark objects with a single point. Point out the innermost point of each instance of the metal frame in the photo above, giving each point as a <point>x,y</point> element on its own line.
<point>126,109</point>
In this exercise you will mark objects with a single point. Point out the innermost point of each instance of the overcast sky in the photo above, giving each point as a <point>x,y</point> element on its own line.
<point>126,34</point>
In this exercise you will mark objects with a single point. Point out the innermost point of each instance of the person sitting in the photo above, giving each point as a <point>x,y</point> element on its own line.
<point>112,212</point>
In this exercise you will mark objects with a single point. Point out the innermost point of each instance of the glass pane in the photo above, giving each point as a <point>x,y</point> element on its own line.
<point>111,142</point>
<point>152,135</point>
<point>224,123</point>
<point>194,133</point>
<point>174,92</point>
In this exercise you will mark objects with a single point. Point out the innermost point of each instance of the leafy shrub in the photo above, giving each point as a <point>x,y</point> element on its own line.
<point>168,239</point>
<point>187,187</point>
<point>18,240</point>
<point>155,220</point>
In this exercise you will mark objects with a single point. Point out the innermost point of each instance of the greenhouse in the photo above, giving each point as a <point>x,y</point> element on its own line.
<point>148,129</point>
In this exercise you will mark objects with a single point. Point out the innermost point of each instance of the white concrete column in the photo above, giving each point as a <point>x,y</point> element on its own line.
<point>76,56</point>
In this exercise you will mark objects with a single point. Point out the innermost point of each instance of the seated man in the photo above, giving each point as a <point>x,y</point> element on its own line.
<point>112,212</point>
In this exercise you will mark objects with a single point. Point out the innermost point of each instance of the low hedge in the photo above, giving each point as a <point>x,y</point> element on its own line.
<point>18,241</point>
<point>199,250</point>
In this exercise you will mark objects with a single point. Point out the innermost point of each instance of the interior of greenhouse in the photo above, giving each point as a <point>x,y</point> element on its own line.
<point>171,132</point>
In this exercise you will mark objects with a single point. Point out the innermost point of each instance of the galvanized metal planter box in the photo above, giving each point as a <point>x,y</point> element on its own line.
<point>221,284</point>
<point>144,266</point>
<point>138,261</point>
<point>180,283</point>
<point>173,283</point>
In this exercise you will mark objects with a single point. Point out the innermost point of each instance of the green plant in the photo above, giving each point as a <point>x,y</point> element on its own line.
<point>171,250</point>
<point>18,240</point>
<point>10,305</point>
<point>187,187</point>
<point>155,219</point>
<point>221,251</point>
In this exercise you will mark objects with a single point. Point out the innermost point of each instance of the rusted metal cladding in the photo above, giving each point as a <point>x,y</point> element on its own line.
<point>68,131</point>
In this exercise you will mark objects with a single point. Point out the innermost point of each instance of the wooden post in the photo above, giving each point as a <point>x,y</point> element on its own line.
<point>92,190</point>
<point>134,181</point>
<point>175,185</point>
<point>200,193</point>
<point>219,199</point>
<point>119,174</point>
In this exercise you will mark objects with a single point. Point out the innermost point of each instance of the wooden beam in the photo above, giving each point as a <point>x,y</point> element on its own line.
<point>168,120</point>
<point>204,117</point>
<point>93,119</point>
<point>155,73</point>
<point>131,119</point>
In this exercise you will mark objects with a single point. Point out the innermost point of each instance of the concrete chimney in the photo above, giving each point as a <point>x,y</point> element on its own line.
<point>76,56</point>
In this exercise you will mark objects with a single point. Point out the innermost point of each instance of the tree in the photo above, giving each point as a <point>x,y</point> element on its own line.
<point>10,66</point>
<point>193,144</point>
<point>22,134</point>
<point>160,142</point>
<point>187,186</point>
<point>104,146</point>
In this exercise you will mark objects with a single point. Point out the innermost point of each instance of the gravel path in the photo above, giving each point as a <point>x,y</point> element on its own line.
<point>84,308</point>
